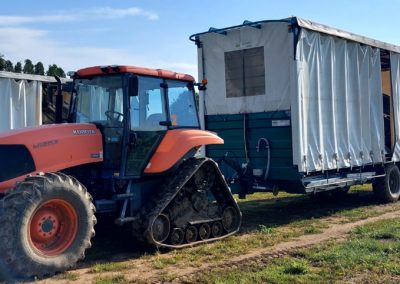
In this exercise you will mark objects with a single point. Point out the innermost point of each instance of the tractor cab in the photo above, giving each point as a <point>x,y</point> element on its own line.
<point>134,108</point>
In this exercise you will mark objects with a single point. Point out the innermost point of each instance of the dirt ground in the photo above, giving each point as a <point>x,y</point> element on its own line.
<point>135,263</point>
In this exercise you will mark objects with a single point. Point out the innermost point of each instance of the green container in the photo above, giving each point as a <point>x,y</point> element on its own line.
<point>244,136</point>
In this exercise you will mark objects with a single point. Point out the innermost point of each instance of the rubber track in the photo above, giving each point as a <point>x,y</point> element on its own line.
<point>161,201</point>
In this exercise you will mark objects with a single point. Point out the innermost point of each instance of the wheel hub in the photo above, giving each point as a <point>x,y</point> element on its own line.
<point>53,227</point>
<point>45,225</point>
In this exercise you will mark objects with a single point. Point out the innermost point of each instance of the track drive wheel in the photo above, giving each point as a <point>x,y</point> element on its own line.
<point>46,225</point>
<point>387,188</point>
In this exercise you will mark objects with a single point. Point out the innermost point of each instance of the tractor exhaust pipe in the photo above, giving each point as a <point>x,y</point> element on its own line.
<point>59,101</point>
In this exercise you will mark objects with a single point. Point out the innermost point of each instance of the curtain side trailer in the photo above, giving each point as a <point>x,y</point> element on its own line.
<point>302,107</point>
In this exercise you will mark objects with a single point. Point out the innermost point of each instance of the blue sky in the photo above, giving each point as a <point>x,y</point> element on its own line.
<point>154,33</point>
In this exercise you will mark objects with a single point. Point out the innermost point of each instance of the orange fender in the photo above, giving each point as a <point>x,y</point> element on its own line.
<point>175,144</point>
<point>55,147</point>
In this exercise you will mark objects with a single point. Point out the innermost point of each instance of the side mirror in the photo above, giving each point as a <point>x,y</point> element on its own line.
<point>133,86</point>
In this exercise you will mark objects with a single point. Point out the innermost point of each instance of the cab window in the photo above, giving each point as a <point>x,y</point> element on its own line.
<point>99,100</point>
<point>148,107</point>
<point>181,104</point>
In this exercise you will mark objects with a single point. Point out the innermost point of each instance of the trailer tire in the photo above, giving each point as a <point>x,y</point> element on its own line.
<point>46,225</point>
<point>387,188</point>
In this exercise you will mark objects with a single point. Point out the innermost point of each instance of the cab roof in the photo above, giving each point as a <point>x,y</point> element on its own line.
<point>116,69</point>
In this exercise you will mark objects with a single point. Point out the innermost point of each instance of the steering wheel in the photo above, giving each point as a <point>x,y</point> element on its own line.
<point>114,116</point>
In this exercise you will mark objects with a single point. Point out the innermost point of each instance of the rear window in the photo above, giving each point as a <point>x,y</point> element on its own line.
<point>245,72</point>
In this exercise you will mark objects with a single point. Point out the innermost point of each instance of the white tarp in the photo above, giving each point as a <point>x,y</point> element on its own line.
<point>278,46</point>
<point>345,35</point>
<point>20,103</point>
<point>337,114</point>
<point>395,76</point>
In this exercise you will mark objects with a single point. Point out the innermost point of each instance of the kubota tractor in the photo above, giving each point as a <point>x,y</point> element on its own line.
<point>129,151</point>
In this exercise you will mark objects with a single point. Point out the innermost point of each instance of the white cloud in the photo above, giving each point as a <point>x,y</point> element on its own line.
<point>78,16</point>
<point>111,13</point>
<point>20,42</point>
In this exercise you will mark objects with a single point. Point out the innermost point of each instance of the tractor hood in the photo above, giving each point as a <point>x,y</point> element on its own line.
<point>47,148</point>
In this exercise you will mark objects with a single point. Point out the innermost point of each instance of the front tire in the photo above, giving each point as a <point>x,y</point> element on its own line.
<point>387,188</point>
<point>46,225</point>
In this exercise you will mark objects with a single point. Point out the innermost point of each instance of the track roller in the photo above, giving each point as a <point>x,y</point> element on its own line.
<point>217,229</point>
<point>204,231</point>
<point>191,234</point>
<point>177,236</point>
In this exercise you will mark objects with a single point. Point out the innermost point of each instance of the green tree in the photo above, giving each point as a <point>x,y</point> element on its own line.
<point>55,70</point>
<point>18,67</point>
<point>2,62</point>
<point>39,68</point>
<point>9,66</point>
<point>51,71</point>
<point>60,72</point>
<point>28,67</point>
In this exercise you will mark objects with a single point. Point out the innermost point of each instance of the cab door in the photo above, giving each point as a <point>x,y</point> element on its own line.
<point>147,125</point>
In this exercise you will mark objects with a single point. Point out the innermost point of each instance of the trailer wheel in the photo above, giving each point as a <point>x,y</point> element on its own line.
<point>387,188</point>
<point>46,225</point>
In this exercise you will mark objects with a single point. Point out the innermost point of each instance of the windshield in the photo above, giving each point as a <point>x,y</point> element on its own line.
<point>99,100</point>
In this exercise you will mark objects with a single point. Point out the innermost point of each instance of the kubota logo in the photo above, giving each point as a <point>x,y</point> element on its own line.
<point>83,131</point>
<point>45,144</point>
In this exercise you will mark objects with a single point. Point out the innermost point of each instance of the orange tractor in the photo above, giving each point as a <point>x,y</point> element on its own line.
<point>130,150</point>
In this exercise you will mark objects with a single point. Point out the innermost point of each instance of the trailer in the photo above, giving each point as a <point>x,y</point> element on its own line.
<point>28,100</point>
<point>302,107</point>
